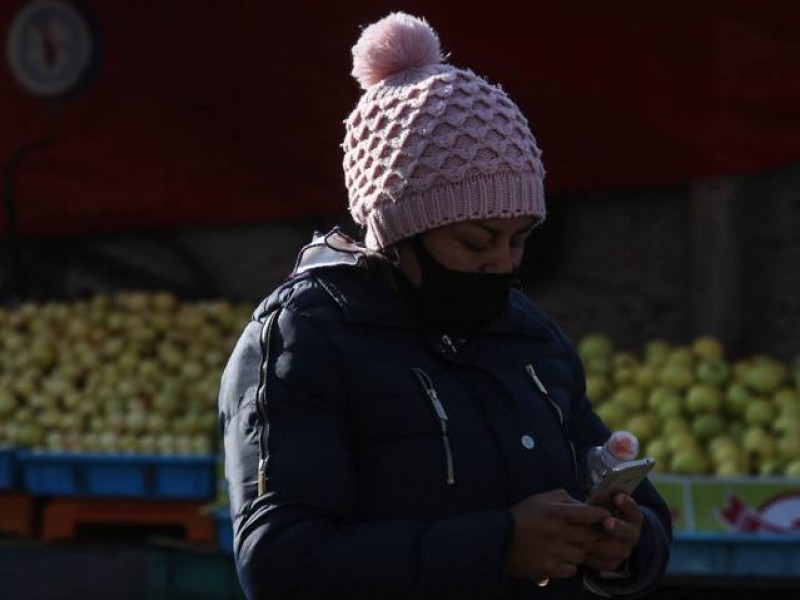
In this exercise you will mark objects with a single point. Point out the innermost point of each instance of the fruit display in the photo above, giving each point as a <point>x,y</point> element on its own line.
<point>133,372</point>
<point>696,411</point>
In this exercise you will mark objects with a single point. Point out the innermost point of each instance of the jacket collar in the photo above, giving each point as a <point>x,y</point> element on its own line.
<point>360,282</point>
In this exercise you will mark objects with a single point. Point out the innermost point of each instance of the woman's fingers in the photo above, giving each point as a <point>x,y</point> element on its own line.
<point>628,510</point>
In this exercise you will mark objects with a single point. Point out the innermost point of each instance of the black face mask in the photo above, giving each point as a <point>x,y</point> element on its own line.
<point>455,300</point>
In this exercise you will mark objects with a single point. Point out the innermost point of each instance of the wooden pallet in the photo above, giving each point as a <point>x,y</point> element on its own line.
<point>16,514</point>
<point>62,517</point>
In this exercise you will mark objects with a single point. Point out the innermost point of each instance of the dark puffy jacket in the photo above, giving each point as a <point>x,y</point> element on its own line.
<point>394,452</point>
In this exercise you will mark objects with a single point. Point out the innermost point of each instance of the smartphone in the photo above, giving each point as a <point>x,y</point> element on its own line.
<point>625,477</point>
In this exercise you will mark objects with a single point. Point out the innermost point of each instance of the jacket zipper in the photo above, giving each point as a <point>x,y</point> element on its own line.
<point>562,421</point>
<point>441,414</point>
<point>261,400</point>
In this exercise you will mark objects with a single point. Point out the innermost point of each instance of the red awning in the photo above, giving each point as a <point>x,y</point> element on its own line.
<point>214,113</point>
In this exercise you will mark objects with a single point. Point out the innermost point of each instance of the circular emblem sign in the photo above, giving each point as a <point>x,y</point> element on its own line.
<point>51,48</point>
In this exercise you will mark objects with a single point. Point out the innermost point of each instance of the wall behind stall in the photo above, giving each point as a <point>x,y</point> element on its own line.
<point>615,262</point>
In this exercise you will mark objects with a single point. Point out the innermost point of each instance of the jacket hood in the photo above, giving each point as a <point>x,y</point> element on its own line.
<point>346,270</point>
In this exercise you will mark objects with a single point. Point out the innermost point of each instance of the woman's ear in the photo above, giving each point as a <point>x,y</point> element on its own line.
<point>391,254</point>
<point>407,261</point>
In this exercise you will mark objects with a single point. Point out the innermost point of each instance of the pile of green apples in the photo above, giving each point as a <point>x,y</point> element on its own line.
<point>695,411</point>
<point>133,372</point>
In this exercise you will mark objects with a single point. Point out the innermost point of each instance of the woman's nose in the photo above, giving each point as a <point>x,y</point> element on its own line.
<point>500,260</point>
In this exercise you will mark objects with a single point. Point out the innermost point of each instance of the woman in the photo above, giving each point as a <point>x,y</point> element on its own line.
<point>399,421</point>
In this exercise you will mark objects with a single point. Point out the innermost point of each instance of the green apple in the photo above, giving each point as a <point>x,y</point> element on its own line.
<point>629,397</point>
<point>660,395</point>
<point>675,375</point>
<point>200,445</point>
<point>8,403</point>
<point>713,371</point>
<point>136,421</point>
<point>167,401</point>
<point>659,450</point>
<point>597,365</point>
<point>127,444</point>
<point>682,440</point>
<point>54,441</point>
<point>707,347</point>
<point>720,445</point>
<point>786,424</point>
<point>191,370</point>
<point>689,462</point>
<point>681,355</point>
<point>764,377</point>
<point>23,415</point>
<point>703,398</point>
<point>789,446</point>
<point>793,469</point>
<point>771,467</point>
<point>624,365</point>
<point>89,442</point>
<point>787,404</point>
<point>669,409</point>
<point>146,444</point>
<point>756,441</point>
<point>674,425</point>
<point>156,423</point>
<point>164,301</point>
<point>736,429</point>
<point>706,426</point>
<point>597,388</point>
<point>644,426</point>
<point>170,355</point>
<point>133,301</point>
<point>612,414</point>
<point>737,399</point>
<point>595,345</point>
<point>729,468</point>
<point>49,419</point>
<point>656,352</point>
<point>645,376</point>
<point>29,435</point>
<point>759,412</point>
<point>148,369</point>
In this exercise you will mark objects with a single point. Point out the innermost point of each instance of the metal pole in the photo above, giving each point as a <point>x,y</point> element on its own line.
<point>17,284</point>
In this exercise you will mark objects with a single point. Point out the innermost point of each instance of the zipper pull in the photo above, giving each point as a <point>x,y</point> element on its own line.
<point>441,414</point>
<point>262,477</point>
<point>532,372</point>
<point>437,405</point>
<point>448,342</point>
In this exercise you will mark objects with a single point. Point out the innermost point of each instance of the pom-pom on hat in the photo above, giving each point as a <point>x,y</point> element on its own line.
<point>430,144</point>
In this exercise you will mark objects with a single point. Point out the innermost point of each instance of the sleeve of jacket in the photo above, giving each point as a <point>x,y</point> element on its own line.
<point>299,539</point>
<point>649,559</point>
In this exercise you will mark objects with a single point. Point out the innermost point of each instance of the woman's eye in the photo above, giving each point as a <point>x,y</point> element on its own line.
<point>517,244</point>
<point>475,247</point>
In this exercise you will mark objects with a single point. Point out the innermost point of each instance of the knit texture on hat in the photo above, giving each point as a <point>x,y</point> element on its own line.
<point>430,144</point>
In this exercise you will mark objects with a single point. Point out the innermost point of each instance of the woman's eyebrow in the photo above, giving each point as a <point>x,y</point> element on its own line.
<point>497,232</point>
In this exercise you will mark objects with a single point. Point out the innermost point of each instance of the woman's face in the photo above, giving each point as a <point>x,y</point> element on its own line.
<point>482,246</point>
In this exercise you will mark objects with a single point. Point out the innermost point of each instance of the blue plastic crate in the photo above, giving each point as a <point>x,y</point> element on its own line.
<point>120,476</point>
<point>185,477</point>
<point>8,469</point>
<point>224,526</point>
<point>751,555</point>
<point>698,555</point>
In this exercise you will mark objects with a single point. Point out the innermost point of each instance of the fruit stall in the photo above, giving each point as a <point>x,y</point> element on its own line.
<point>109,424</point>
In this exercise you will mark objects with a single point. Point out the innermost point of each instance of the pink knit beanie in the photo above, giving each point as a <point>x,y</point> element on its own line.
<point>430,144</point>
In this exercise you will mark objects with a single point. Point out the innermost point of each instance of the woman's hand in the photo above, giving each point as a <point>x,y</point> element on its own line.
<point>552,532</point>
<point>620,535</point>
